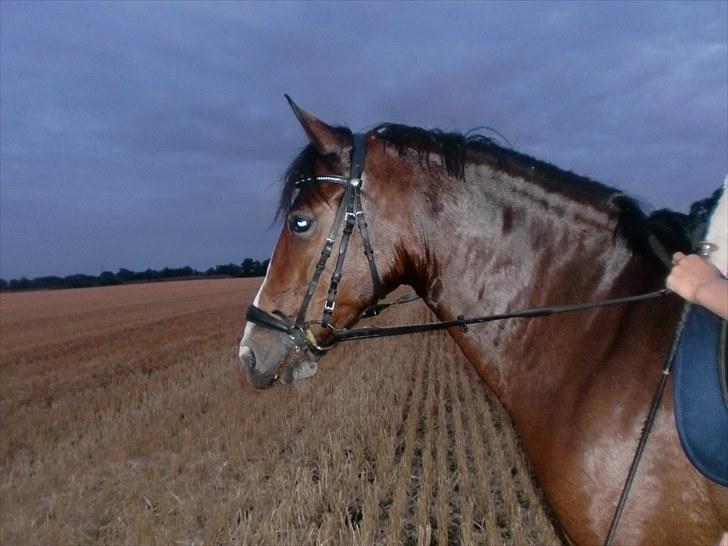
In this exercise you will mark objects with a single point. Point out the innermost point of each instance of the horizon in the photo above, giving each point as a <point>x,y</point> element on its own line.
<point>200,271</point>
<point>140,135</point>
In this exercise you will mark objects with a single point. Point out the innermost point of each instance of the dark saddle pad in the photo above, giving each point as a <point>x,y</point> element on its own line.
<point>701,402</point>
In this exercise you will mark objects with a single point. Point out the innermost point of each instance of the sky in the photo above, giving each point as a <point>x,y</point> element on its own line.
<point>146,135</point>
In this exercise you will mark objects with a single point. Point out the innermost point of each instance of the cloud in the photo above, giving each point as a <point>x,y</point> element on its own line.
<point>148,134</point>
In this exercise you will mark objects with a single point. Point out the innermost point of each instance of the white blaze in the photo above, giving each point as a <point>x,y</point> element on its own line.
<point>249,325</point>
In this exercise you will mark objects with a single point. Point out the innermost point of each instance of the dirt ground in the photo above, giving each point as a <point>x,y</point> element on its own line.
<point>123,422</point>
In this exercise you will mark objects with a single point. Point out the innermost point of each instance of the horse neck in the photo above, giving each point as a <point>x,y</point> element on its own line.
<point>505,244</point>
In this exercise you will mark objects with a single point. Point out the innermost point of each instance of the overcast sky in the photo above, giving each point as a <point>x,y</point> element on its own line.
<point>153,134</point>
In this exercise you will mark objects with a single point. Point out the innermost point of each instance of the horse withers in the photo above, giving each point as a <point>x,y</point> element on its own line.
<point>473,226</point>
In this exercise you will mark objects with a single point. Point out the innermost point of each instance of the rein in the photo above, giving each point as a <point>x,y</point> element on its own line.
<point>349,334</point>
<point>258,316</point>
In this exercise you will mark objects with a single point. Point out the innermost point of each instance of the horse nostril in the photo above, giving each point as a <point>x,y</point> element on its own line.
<point>247,357</point>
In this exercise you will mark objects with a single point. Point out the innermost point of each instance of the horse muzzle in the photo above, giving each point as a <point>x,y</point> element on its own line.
<point>268,356</point>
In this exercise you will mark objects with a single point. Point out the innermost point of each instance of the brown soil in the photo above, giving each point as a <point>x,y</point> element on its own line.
<point>123,423</point>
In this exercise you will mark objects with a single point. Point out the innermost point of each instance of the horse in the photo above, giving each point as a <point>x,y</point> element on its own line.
<point>472,225</point>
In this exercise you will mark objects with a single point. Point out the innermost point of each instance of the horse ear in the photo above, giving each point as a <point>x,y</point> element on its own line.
<point>326,139</point>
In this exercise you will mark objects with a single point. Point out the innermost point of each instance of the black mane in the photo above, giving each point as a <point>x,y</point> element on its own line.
<point>456,150</point>
<point>301,167</point>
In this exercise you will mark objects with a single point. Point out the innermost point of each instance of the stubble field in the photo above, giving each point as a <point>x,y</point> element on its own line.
<point>123,422</point>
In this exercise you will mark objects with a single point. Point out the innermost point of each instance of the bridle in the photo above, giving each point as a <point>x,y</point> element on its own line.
<point>351,214</point>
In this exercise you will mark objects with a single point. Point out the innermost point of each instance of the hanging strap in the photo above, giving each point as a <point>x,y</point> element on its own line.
<point>325,254</point>
<point>349,223</point>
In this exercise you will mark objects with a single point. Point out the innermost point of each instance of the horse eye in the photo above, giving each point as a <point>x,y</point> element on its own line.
<point>300,224</point>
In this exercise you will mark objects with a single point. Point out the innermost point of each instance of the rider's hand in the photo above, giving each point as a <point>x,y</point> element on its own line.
<point>689,274</point>
<point>699,281</point>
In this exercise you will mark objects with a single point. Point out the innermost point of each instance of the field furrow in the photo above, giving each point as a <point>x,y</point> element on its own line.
<point>123,423</point>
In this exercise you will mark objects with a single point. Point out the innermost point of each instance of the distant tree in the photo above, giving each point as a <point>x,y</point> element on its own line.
<point>20,284</point>
<point>79,281</point>
<point>125,275</point>
<point>107,278</point>
<point>248,268</point>
<point>172,272</point>
<point>230,270</point>
<point>48,282</point>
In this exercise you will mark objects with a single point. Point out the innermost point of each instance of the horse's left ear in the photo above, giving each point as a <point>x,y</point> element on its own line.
<point>326,139</point>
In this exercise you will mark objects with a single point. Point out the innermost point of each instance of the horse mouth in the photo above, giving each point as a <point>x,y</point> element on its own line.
<point>301,367</point>
<point>298,363</point>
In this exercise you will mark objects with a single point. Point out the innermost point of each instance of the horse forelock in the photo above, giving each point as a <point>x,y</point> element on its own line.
<point>302,166</point>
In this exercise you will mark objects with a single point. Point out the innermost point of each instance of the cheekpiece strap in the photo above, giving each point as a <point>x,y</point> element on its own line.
<point>351,214</point>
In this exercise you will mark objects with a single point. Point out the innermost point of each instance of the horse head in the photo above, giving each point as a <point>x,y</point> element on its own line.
<point>323,273</point>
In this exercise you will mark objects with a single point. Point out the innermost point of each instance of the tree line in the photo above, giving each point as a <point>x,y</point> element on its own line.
<point>248,268</point>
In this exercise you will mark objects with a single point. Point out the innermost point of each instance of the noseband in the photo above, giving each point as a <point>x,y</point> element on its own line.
<point>351,214</point>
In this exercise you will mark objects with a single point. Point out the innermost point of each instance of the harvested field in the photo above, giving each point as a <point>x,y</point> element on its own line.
<point>123,423</point>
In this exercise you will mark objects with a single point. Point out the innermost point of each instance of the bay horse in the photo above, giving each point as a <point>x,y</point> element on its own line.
<point>475,226</point>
